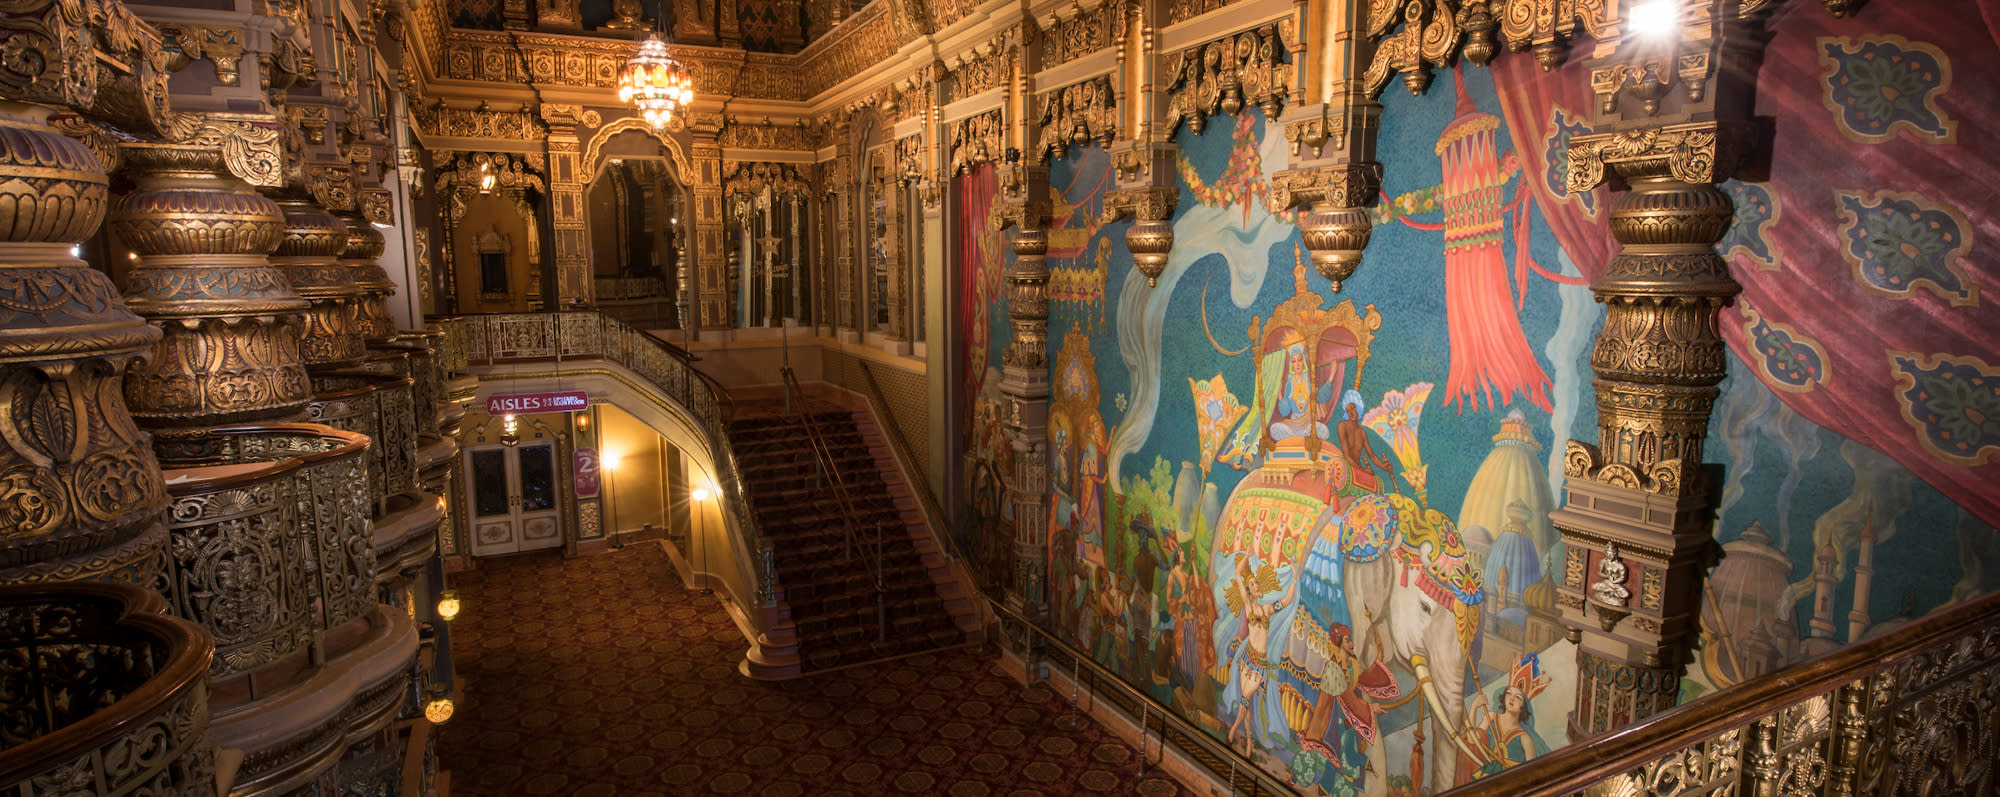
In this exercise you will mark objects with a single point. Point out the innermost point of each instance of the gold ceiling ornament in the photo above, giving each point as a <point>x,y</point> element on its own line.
<point>656,85</point>
<point>200,243</point>
<point>1076,115</point>
<point>1151,236</point>
<point>1248,68</point>
<point>1338,227</point>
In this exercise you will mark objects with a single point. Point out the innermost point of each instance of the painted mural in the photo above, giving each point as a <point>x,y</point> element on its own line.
<point>1317,524</point>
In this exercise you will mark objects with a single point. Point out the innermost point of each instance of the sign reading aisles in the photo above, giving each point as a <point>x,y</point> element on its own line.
<point>525,403</point>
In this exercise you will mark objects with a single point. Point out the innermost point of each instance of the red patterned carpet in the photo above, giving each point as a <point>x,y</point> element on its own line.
<point>603,676</point>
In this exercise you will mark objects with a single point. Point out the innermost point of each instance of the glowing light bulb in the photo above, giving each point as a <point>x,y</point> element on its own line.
<point>448,607</point>
<point>701,493</point>
<point>1654,20</point>
<point>438,711</point>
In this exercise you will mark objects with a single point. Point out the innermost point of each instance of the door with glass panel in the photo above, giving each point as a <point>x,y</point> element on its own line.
<point>513,498</point>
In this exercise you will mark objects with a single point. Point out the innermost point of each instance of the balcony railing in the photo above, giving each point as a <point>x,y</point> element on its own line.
<point>112,697</point>
<point>270,540</point>
<point>524,337</point>
<point>624,288</point>
<point>379,406</point>
<point>1909,712</point>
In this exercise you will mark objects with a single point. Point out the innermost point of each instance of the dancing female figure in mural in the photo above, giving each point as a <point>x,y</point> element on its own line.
<point>1250,649</point>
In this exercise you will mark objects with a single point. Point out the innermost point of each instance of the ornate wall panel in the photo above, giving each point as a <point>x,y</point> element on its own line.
<point>1084,33</point>
<point>991,66</point>
<point>977,139</point>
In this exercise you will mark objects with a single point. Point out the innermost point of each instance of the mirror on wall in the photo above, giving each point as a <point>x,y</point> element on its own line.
<point>633,214</point>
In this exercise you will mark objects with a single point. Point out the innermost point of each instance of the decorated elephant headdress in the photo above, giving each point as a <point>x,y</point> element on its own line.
<point>1427,548</point>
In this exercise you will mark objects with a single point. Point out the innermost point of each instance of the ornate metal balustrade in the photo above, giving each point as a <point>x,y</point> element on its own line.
<point>270,541</point>
<point>377,405</point>
<point>1908,712</point>
<point>526,337</point>
<point>105,695</point>
<point>611,289</point>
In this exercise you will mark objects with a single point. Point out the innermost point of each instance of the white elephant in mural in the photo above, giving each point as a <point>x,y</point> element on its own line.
<point>1413,601</point>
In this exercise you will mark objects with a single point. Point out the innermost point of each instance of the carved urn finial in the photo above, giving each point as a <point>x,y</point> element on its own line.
<point>1336,236</point>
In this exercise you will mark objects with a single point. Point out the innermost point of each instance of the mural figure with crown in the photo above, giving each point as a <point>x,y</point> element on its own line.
<point>1504,734</point>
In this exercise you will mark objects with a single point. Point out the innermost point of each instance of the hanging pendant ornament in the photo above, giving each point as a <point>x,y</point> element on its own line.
<point>655,84</point>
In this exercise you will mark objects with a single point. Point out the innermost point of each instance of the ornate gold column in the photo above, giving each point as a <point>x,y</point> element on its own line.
<point>308,254</point>
<point>361,255</point>
<point>201,241</point>
<point>571,247</point>
<point>80,490</point>
<point>1024,378</point>
<point>713,301</point>
<point>1637,524</point>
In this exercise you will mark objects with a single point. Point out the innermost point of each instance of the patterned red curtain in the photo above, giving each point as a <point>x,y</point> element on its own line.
<point>1865,256</point>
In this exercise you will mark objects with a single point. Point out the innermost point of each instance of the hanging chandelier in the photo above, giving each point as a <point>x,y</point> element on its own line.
<point>655,83</point>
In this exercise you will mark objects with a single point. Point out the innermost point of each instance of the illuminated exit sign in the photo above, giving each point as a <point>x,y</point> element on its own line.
<point>525,403</point>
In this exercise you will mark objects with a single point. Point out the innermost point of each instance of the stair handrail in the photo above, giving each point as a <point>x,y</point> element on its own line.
<point>1245,777</point>
<point>919,481</point>
<point>669,370</point>
<point>1956,639</point>
<point>828,472</point>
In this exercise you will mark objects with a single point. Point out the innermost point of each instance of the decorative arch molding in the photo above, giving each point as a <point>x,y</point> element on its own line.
<point>593,152</point>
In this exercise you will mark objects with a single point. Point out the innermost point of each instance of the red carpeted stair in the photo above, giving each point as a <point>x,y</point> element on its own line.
<point>841,616</point>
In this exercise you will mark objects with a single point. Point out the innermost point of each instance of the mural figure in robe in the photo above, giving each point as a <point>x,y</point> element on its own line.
<point>1504,734</point>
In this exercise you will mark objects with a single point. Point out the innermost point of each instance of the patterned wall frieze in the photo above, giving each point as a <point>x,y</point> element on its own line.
<point>989,66</point>
<point>218,44</point>
<point>460,171</point>
<point>739,177</point>
<point>977,139</point>
<point>769,135</point>
<point>946,12</point>
<point>910,18</point>
<point>771,77</point>
<point>1179,11</point>
<point>1075,115</point>
<point>569,61</point>
<point>1230,73</point>
<point>1083,33</point>
<point>482,122</point>
<point>860,42</point>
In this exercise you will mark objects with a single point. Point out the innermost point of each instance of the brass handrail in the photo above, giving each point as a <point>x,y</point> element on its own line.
<point>824,456</point>
<point>1244,776</point>
<point>919,481</point>
<point>1755,706</point>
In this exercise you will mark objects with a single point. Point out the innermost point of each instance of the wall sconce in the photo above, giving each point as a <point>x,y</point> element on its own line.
<point>448,606</point>
<point>438,710</point>
<point>510,430</point>
<point>486,178</point>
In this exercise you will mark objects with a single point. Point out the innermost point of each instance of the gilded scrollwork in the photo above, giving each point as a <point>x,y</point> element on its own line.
<point>217,44</point>
<point>332,186</point>
<point>1075,115</point>
<point>989,66</point>
<point>1081,33</point>
<point>977,139</point>
<point>1228,74</point>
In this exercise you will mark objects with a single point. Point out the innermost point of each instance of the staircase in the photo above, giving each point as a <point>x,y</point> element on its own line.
<point>841,618</point>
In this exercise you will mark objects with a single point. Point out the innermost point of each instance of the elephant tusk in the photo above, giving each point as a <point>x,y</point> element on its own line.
<point>1436,701</point>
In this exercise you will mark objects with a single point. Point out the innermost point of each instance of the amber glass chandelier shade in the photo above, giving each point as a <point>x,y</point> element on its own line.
<point>656,84</point>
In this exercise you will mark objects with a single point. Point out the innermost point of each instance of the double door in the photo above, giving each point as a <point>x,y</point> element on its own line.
<point>513,498</point>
